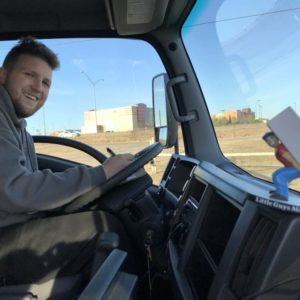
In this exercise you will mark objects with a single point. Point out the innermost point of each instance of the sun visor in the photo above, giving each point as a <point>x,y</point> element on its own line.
<point>130,17</point>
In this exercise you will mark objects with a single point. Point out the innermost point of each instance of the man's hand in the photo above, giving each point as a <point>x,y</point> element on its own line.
<point>116,163</point>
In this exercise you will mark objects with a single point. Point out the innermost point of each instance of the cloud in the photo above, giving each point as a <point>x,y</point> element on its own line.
<point>79,63</point>
<point>134,63</point>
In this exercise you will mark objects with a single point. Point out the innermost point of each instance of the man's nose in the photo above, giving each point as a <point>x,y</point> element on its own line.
<point>37,85</point>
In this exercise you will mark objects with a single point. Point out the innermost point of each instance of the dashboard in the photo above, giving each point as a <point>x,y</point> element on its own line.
<point>223,244</point>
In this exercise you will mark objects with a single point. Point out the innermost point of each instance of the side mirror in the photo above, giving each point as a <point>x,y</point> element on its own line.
<point>165,126</point>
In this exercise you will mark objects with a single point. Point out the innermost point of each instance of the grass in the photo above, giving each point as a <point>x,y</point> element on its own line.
<point>234,141</point>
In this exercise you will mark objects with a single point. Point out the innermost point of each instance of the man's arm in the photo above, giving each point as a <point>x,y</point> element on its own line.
<point>22,190</point>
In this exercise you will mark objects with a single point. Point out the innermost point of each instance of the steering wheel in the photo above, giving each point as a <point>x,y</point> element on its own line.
<point>96,154</point>
<point>140,159</point>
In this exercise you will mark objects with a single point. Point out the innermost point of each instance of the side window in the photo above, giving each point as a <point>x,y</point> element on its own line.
<point>101,96</point>
<point>248,72</point>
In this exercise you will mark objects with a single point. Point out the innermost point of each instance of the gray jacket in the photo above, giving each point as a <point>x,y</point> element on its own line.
<point>25,190</point>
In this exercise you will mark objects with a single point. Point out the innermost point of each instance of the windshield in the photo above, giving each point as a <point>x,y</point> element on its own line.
<point>101,96</point>
<point>246,55</point>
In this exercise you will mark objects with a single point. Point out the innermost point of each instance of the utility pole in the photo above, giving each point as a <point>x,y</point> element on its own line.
<point>257,109</point>
<point>94,83</point>
<point>44,120</point>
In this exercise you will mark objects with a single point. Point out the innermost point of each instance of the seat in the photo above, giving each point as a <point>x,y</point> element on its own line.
<point>63,288</point>
<point>58,288</point>
<point>109,282</point>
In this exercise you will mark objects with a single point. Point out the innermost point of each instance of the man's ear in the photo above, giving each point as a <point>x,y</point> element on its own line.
<point>3,75</point>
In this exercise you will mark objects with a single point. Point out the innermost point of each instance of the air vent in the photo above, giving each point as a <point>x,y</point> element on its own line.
<point>257,242</point>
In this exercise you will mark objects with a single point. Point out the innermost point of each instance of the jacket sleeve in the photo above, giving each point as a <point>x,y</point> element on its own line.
<point>22,190</point>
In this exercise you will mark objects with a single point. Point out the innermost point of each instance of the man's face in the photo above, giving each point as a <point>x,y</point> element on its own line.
<point>272,141</point>
<point>27,82</point>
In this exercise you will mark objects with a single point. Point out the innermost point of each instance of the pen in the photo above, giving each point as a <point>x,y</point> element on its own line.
<point>111,152</point>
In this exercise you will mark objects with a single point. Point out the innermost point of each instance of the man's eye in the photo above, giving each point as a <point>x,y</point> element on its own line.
<point>46,83</point>
<point>28,74</point>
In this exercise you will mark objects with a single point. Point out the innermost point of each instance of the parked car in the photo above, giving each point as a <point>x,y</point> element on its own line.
<point>201,223</point>
<point>69,133</point>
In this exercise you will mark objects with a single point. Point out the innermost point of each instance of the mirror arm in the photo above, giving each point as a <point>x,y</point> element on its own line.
<point>190,116</point>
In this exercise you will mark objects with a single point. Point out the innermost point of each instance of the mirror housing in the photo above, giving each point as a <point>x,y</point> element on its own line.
<point>165,125</point>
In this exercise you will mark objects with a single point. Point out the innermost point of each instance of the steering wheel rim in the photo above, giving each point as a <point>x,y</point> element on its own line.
<point>96,154</point>
<point>140,159</point>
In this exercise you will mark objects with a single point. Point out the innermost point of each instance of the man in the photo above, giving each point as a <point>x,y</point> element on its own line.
<point>284,175</point>
<point>36,250</point>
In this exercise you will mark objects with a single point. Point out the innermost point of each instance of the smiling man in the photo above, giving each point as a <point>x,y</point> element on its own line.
<point>27,78</point>
<point>41,248</point>
<point>27,82</point>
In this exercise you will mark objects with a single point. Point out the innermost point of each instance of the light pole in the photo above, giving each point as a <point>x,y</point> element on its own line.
<point>260,111</point>
<point>44,119</point>
<point>257,110</point>
<point>94,83</point>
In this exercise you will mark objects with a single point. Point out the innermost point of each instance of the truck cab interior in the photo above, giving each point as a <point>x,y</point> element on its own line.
<point>208,227</point>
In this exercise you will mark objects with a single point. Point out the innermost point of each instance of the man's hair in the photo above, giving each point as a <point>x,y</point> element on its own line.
<point>30,46</point>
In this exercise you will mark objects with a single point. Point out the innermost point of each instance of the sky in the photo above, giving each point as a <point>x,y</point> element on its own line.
<point>119,71</point>
<point>245,54</point>
<point>250,54</point>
